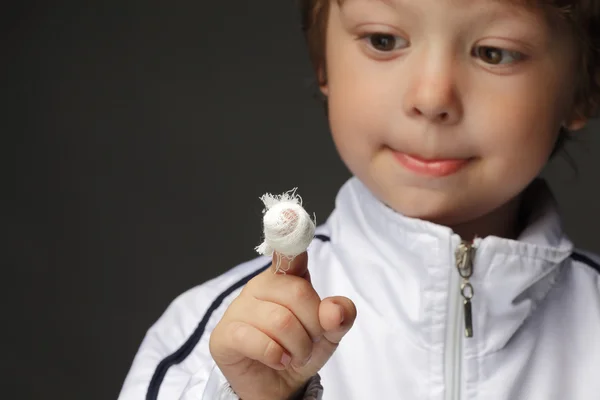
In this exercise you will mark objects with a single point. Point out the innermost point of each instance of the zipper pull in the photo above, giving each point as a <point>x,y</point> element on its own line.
<point>466,291</point>
<point>464,263</point>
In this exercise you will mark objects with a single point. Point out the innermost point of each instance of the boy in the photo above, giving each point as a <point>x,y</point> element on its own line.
<point>444,241</point>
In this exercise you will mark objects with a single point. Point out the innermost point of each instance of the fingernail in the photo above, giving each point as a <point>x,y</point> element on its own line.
<point>285,359</point>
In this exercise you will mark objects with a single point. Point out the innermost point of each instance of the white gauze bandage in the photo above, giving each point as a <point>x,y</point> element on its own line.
<point>288,229</point>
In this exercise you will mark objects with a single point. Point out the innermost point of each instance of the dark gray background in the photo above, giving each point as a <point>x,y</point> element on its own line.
<point>139,135</point>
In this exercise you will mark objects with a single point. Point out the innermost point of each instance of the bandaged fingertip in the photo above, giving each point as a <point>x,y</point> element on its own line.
<point>288,229</point>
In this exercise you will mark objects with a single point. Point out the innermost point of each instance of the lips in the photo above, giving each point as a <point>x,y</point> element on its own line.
<point>431,167</point>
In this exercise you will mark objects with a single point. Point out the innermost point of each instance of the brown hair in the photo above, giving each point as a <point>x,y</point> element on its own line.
<point>582,16</point>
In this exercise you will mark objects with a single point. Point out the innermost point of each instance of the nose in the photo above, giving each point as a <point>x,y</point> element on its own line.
<point>432,92</point>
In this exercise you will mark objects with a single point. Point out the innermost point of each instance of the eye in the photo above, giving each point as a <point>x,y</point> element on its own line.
<point>385,42</point>
<point>497,56</point>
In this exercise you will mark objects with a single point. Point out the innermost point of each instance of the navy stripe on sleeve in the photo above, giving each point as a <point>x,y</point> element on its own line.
<point>323,238</point>
<point>181,354</point>
<point>586,260</point>
<point>185,350</point>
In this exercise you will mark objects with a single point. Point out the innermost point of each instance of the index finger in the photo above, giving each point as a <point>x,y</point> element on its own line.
<point>297,266</point>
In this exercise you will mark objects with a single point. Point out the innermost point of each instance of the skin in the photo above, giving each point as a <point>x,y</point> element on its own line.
<point>486,81</point>
<point>432,92</point>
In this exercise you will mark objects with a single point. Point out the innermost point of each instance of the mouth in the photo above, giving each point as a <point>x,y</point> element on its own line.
<point>431,167</point>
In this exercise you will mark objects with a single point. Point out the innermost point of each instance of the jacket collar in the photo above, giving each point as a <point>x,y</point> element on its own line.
<point>407,267</point>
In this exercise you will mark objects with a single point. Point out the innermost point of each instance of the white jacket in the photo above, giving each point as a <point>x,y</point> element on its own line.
<point>535,313</point>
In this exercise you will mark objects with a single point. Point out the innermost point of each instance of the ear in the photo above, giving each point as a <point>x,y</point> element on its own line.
<point>576,122</point>
<point>322,79</point>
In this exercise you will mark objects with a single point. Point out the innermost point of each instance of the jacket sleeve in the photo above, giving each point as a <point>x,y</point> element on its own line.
<point>218,388</point>
<point>174,351</point>
<point>173,361</point>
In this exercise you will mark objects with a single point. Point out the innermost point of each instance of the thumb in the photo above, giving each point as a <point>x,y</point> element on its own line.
<point>297,266</point>
<point>336,315</point>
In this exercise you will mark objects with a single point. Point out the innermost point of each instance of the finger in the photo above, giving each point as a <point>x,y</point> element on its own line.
<point>297,295</point>
<point>281,325</point>
<point>336,315</point>
<point>298,266</point>
<point>250,342</point>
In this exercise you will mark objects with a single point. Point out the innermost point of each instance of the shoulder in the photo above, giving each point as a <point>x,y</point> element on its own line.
<point>198,309</point>
<point>588,261</point>
<point>212,297</point>
<point>209,295</point>
<point>585,272</point>
<point>193,314</point>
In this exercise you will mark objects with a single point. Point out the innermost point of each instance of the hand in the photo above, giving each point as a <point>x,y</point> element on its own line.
<point>278,333</point>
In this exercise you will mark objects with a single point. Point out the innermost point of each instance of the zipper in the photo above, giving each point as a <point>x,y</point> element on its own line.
<point>460,318</point>
<point>464,263</point>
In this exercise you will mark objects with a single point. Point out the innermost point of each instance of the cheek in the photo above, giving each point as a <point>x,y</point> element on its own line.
<point>357,86</point>
<point>360,104</point>
<point>356,120</point>
<point>521,120</point>
<point>354,96</point>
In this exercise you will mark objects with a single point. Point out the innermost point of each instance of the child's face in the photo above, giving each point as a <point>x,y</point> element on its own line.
<point>485,82</point>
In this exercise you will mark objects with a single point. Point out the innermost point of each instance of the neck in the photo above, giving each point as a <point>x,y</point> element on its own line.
<point>505,222</point>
